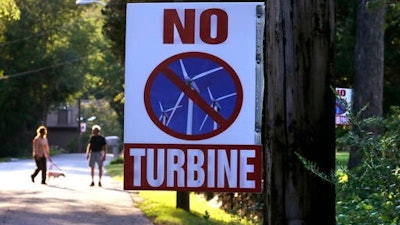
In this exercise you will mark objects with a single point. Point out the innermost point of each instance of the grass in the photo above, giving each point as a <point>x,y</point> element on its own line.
<point>341,159</point>
<point>160,206</point>
<point>115,169</point>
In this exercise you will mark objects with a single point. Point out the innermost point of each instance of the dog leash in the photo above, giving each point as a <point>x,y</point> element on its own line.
<point>54,164</point>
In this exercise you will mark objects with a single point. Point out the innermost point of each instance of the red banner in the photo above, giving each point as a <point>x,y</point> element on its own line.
<point>205,168</point>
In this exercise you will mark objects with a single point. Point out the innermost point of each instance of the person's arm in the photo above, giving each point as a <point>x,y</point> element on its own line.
<point>87,150</point>
<point>104,148</point>
<point>34,148</point>
<point>47,150</point>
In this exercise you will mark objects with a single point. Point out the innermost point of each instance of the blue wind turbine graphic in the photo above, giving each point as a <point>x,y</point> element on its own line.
<point>164,113</point>
<point>191,83</point>
<point>215,105</point>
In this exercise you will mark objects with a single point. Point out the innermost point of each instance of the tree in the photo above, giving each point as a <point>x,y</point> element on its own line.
<point>392,57</point>
<point>114,30</point>
<point>42,56</point>
<point>369,193</point>
<point>299,112</point>
<point>345,42</point>
<point>369,65</point>
<point>8,11</point>
<point>346,21</point>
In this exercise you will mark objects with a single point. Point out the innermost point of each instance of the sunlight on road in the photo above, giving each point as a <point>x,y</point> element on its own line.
<point>64,200</point>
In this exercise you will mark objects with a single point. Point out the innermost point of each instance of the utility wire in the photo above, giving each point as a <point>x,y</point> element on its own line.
<point>40,69</point>
<point>8,76</point>
<point>27,38</point>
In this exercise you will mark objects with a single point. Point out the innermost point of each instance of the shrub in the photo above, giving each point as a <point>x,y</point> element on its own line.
<point>370,193</point>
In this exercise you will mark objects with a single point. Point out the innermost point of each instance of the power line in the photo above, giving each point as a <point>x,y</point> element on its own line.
<point>65,27</point>
<point>39,69</point>
<point>8,76</point>
<point>27,38</point>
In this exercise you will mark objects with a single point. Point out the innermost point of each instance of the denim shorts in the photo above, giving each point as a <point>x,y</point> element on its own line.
<point>96,157</point>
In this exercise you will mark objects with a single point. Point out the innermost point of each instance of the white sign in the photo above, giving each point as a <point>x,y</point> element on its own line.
<point>83,127</point>
<point>190,93</point>
<point>204,42</point>
<point>343,105</point>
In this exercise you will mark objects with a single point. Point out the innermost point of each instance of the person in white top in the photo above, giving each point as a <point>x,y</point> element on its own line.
<point>40,152</point>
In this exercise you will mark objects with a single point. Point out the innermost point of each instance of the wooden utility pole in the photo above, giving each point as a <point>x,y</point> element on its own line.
<point>299,112</point>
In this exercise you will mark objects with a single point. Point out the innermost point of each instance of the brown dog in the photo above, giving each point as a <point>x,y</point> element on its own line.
<point>55,174</point>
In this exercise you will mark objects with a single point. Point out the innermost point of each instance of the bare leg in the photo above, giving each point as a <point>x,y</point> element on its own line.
<point>100,172</point>
<point>92,173</point>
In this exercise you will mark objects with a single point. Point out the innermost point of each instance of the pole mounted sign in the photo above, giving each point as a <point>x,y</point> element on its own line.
<point>190,97</point>
<point>343,106</point>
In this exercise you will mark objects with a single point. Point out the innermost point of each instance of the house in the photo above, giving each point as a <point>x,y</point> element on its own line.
<point>64,129</point>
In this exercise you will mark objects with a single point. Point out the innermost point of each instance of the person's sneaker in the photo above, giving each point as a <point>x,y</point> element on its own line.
<point>44,183</point>
<point>33,179</point>
<point>92,184</point>
<point>99,184</point>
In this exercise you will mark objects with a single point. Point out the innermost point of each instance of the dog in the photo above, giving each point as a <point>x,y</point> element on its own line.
<point>55,174</point>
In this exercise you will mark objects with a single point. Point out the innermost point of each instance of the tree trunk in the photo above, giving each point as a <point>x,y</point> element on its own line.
<point>299,116</point>
<point>369,64</point>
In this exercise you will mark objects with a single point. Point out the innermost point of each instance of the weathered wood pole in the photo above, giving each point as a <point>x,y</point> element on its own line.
<point>299,112</point>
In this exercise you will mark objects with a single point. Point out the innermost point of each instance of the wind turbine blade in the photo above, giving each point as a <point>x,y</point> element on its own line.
<point>161,108</point>
<point>218,106</point>
<point>170,109</point>
<point>202,124</point>
<point>162,111</point>
<point>175,107</point>
<point>226,96</point>
<point>206,73</point>
<point>210,94</point>
<point>185,75</point>
<point>194,85</point>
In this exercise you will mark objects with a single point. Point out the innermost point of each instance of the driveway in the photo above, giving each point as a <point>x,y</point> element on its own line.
<point>64,200</point>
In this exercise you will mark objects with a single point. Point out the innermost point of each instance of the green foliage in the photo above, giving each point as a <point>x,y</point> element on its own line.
<point>115,169</point>
<point>114,30</point>
<point>345,42</point>
<point>8,11</point>
<point>55,150</point>
<point>206,215</point>
<point>242,205</point>
<point>392,55</point>
<point>105,117</point>
<point>341,159</point>
<point>370,193</point>
<point>118,160</point>
<point>346,12</point>
<point>54,54</point>
<point>39,64</point>
<point>313,167</point>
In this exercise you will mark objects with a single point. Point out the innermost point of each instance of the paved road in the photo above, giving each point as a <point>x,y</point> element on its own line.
<point>64,200</point>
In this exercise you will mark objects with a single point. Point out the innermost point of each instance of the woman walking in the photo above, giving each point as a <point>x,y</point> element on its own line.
<point>40,152</point>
